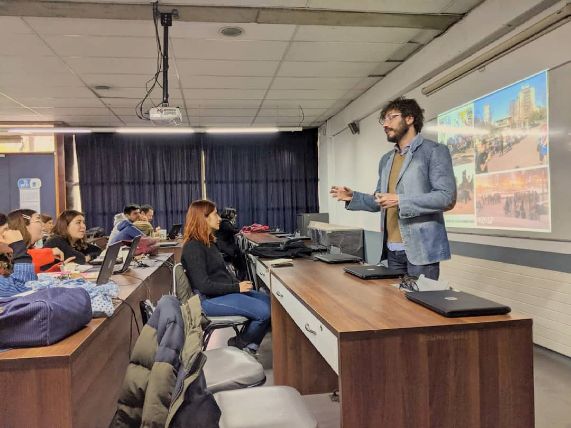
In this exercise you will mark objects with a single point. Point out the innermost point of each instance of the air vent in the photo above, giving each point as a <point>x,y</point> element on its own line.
<point>231,31</point>
<point>102,87</point>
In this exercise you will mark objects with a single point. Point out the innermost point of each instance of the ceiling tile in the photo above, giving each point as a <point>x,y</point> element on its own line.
<point>13,25</point>
<point>132,102</point>
<point>18,92</point>
<point>289,103</point>
<point>289,112</point>
<point>35,78</point>
<point>106,65</point>
<point>23,45</point>
<point>103,46</point>
<point>325,69</point>
<point>211,31</point>
<point>235,49</point>
<point>225,82</point>
<point>320,33</point>
<point>409,6</point>
<point>221,103</point>
<point>332,51</point>
<point>93,27</point>
<point>126,80</point>
<point>309,94</point>
<point>221,94</point>
<point>36,101</point>
<point>193,67</point>
<point>315,82</point>
<point>43,64</point>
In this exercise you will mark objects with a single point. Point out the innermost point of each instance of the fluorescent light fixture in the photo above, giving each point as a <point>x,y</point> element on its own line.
<point>44,131</point>
<point>155,130</point>
<point>249,130</point>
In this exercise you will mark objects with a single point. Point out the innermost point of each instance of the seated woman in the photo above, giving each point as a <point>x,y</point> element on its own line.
<point>220,292</point>
<point>29,224</point>
<point>226,242</point>
<point>69,236</point>
<point>47,226</point>
<point>16,266</point>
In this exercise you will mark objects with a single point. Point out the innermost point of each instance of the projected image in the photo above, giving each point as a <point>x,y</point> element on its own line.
<point>455,131</point>
<point>513,122</point>
<point>500,152</point>
<point>514,200</point>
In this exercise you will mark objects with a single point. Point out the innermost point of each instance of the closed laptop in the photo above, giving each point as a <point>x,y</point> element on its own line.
<point>451,303</point>
<point>337,258</point>
<point>372,272</point>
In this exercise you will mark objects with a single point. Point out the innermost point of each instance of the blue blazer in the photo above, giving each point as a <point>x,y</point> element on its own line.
<point>426,187</point>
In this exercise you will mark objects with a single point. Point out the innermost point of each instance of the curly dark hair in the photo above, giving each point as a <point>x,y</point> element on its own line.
<point>406,107</point>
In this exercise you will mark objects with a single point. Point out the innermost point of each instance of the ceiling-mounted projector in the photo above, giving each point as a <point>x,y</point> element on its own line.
<point>164,116</point>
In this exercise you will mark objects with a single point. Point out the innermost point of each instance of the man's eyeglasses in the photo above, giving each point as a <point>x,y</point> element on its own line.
<point>388,118</point>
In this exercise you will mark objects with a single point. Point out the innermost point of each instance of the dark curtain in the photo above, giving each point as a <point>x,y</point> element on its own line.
<point>268,178</point>
<point>116,169</point>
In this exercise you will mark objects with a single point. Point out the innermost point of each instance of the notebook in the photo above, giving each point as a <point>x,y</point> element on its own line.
<point>451,303</point>
<point>372,272</point>
<point>337,258</point>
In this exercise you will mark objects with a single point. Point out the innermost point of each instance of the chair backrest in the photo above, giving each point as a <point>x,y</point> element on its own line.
<point>181,284</point>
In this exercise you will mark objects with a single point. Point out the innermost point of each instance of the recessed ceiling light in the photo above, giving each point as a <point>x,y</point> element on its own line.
<point>231,31</point>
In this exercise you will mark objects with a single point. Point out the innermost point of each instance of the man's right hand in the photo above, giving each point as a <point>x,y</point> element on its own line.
<point>245,286</point>
<point>341,193</point>
<point>10,236</point>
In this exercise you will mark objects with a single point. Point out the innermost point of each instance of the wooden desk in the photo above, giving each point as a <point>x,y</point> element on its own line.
<point>76,382</point>
<point>396,363</point>
<point>176,251</point>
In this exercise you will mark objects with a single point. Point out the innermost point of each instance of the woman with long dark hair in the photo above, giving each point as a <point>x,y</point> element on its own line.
<point>221,293</point>
<point>68,234</point>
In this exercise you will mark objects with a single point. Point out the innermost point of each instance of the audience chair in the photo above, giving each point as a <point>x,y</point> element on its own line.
<point>226,368</point>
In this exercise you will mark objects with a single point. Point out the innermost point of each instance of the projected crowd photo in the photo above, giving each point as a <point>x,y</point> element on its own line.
<point>500,152</point>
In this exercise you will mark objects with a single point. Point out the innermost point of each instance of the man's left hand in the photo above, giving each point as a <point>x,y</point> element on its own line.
<point>387,200</point>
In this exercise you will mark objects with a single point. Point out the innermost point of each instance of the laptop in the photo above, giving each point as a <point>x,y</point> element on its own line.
<point>337,258</point>
<point>108,263</point>
<point>174,231</point>
<point>129,256</point>
<point>167,244</point>
<point>372,272</point>
<point>451,303</point>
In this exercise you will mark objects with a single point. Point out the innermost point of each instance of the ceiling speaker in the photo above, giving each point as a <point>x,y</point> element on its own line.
<point>353,127</point>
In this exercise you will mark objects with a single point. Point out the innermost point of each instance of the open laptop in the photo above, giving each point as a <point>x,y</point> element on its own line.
<point>129,256</point>
<point>174,231</point>
<point>106,270</point>
<point>451,303</point>
<point>372,272</point>
<point>337,258</point>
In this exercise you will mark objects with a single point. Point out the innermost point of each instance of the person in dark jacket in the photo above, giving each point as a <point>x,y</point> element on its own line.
<point>68,235</point>
<point>16,264</point>
<point>221,293</point>
<point>226,242</point>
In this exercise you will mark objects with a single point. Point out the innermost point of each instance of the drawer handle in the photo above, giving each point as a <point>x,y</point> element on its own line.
<point>279,294</point>
<point>308,329</point>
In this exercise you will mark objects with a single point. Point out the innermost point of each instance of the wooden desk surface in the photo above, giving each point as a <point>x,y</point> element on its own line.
<point>69,346</point>
<point>347,304</point>
<point>262,238</point>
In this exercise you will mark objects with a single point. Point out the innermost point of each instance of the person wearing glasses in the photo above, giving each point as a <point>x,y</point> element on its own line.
<point>416,186</point>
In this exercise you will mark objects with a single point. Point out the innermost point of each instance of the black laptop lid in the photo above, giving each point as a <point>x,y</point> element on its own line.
<point>338,258</point>
<point>372,272</point>
<point>175,230</point>
<point>130,255</point>
<point>452,303</point>
<point>108,263</point>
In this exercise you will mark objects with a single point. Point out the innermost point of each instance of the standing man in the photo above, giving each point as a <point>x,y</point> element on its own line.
<point>416,185</point>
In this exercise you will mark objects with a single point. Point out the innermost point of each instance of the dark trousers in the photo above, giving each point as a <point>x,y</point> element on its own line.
<point>399,261</point>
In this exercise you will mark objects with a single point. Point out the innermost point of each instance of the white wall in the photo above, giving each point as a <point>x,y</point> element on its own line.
<point>352,159</point>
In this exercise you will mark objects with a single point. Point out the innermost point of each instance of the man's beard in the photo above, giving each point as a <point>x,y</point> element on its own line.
<point>399,132</point>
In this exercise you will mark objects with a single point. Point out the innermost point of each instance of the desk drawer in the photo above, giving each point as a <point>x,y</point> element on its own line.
<point>319,335</point>
<point>263,273</point>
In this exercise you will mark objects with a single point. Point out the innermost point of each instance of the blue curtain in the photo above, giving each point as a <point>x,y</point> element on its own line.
<point>268,178</point>
<point>116,169</point>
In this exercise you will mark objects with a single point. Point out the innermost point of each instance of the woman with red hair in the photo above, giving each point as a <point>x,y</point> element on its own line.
<point>221,293</point>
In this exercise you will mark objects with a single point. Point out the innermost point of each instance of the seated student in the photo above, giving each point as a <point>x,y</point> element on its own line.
<point>47,226</point>
<point>16,266</point>
<point>29,224</point>
<point>144,221</point>
<point>220,292</point>
<point>124,230</point>
<point>226,242</point>
<point>69,236</point>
